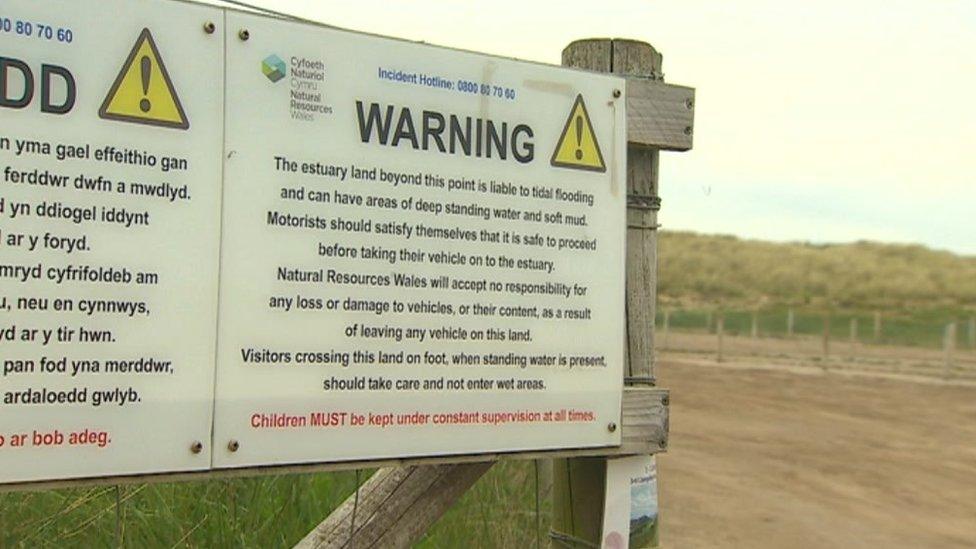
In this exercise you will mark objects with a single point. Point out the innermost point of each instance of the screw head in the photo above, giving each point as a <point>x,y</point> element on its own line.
<point>611,427</point>
<point>665,400</point>
<point>233,446</point>
<point>244,35</point>
<point>688,130</point>
<point>690,104</point>
<point>196,447</point>
<point>209,27</point>
<point>617,94</point>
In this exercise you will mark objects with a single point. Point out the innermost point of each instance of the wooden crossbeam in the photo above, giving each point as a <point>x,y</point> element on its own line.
<point>660,115</point>
<point>395,507</point>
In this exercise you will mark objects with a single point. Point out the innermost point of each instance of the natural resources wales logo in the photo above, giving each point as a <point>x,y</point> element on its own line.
<point>274,68</point>
<point>306,85</point>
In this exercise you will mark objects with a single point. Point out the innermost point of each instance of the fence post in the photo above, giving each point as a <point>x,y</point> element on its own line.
<point>755,324</point>
<point>667,328</point>
<point>720,330</point>
<point>789,322</point>
<point>948,345</point>
<point>877,326</point>
<point>972,333</point>
<point>578,491</point>
<point>826,339</point>
<point>854,330</point>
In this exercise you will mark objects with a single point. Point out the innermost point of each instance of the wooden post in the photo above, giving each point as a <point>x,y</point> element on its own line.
<point>826,339</point>
<point>948,345</point>
<point>667,328</point>
<point>755,324</point>
<point>720,330</point>
<point>972,333</point>
<point>877,326</point>
<point>789,322</point>
<point>853,330</point>
<point>579,486</point>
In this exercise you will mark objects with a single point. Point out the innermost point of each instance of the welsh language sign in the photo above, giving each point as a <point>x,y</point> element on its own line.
<point>109,237</point>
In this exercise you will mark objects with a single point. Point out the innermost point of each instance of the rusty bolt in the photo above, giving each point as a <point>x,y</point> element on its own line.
<point>233,445</point>
<point>244,35</point>
<point>209,27</point>
<point>611,427</point>
<point>617,94</point>
<point>196,447</point>
<point>690,104</point>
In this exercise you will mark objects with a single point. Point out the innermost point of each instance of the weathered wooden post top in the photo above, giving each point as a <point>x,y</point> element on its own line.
<point>659,117</point>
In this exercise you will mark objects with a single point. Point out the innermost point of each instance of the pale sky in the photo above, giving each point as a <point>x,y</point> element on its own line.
<point>827,121</point>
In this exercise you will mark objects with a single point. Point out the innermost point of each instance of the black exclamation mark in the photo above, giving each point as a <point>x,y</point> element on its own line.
<point>145,104</point>
<point>579,138</point>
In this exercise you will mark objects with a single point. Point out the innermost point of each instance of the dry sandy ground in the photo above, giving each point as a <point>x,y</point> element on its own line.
<point>800,459</point>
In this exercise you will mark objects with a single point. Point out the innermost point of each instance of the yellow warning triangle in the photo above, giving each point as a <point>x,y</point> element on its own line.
<point>143,92</point>
<point>578,148</point>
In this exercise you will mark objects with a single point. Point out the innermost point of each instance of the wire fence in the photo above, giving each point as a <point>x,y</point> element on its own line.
<point>937,343</point>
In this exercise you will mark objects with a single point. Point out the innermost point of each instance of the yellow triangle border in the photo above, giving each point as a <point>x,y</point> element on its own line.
<point>602,168</point>
<point>103,111</point>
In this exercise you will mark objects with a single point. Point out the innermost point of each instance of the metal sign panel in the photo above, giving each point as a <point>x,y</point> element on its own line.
<point>109,236</point>
<point>423,251</point>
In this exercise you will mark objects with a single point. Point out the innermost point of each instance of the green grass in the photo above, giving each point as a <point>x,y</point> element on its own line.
<point>917,290</point>
<point>498,512</point>
<point>698,269</point>
<point>262,512</point>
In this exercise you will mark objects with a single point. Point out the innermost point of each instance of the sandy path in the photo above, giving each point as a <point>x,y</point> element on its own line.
<point>789,459</point>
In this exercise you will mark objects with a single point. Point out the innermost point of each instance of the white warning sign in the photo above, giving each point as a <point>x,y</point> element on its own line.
<point>420,278</point>
<point>108,238</point>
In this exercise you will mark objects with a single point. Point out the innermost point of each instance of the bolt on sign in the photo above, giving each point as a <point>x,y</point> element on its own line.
<point>228,240</point>
<point>109,237</point>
